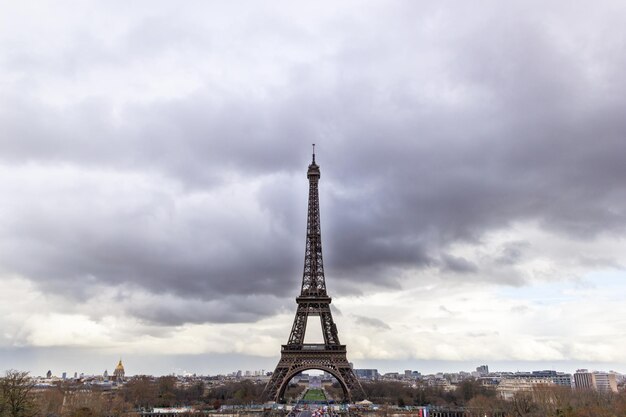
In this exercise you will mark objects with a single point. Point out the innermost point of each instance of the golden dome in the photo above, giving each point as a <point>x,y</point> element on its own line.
<point>119,366</point>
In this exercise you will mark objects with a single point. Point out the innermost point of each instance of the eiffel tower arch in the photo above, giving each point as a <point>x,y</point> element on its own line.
<point>297,356</point>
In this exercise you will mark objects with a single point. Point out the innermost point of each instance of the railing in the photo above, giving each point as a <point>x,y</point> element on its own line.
<point>315,347</point>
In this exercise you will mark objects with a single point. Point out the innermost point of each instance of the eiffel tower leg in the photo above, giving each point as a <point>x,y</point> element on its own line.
<point>270,393</point>
<point>352,383</point>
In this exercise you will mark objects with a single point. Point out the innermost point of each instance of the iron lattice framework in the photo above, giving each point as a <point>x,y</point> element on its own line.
<point>297,356</point>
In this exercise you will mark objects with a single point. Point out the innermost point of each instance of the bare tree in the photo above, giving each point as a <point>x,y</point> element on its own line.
<point>16,396</point>
<point>523,405</point>
<point>50,401</point>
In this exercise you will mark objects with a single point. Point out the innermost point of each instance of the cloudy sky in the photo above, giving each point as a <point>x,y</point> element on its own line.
<point>153,183</point>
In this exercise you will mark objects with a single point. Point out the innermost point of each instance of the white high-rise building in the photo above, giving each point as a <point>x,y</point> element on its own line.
<point>583,379</point>
<point>605,382</point>
<point>600,381</point>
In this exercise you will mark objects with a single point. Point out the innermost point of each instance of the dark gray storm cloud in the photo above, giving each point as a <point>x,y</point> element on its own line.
<point>226,309</point>
<point>434,126</point>
<point>458,264</point>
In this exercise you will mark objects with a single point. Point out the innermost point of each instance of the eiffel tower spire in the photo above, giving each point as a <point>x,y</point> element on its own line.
<point>313,281</point>
<point>297,356</point>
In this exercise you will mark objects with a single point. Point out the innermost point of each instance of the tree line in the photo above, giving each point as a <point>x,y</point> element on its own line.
<point>19,397</point>
<point>481,400</point>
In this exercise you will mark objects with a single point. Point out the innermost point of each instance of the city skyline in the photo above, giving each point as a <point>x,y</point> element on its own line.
<point>153,187</point>
<point>253,369</point>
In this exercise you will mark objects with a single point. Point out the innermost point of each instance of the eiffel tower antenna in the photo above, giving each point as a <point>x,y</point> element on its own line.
<point>297,356</point>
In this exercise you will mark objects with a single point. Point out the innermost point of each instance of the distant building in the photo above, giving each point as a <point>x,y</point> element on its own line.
<point>509,386</point>
<point>315,382</point>
<point>366,373</point>
<point>583,379</point>
<point>559,378</point>
<point>482,370</point>
<point>600,381</point>
<point>442,383</point>
<point>49,374</point>
<point>119,373</point>
<point>605,382</point>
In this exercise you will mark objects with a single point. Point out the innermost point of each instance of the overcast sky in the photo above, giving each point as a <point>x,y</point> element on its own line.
<point>153,182</point>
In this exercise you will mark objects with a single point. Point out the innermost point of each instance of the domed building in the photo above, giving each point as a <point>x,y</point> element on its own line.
<point>119,372</point>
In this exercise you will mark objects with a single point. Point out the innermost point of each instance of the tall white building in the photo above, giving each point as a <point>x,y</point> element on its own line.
<point>600,381</point>
<point>605,382</point>
<point>583,379</point>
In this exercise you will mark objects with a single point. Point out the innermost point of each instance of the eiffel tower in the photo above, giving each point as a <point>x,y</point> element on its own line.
<point>297,356</point>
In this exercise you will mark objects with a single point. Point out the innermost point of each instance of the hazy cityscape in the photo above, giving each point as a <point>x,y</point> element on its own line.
<point>213,389</point>
<point>505,382</point>
<point>312,209</point>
